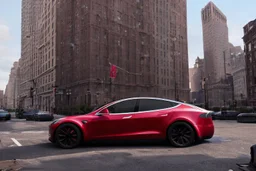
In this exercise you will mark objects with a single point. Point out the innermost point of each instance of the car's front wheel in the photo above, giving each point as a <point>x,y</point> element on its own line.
<point>181,134</point>
<point>68,136</point>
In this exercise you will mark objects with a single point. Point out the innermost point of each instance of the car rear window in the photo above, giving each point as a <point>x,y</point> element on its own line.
<point>154,104</point>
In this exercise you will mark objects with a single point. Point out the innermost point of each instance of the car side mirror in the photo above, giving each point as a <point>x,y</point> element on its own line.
<point>103,112</point>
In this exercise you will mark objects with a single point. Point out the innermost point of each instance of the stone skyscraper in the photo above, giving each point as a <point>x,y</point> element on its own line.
<point>38,54</point>
<point>11,91</point>
<point>29,50</point>
<point>216,55</point>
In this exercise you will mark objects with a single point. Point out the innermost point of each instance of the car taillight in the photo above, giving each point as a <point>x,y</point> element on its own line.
<point>206,115</point>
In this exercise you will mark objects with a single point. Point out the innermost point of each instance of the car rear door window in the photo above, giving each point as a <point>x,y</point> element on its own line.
<point>154,104</point>
<point>127,106</point>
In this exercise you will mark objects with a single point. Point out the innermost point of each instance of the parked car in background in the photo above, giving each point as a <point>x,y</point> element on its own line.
<point>246,118</point>
<point>136,118</point>
<point>43,116</point>
<point>230,114</point>
<point>216,115</point>
<point>29,115</point>
<point>225,115</point>
<point>19,113</point>
<point>4,115</point>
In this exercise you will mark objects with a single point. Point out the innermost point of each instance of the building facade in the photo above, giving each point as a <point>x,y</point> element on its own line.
<point>196,80</point>
<point>38,54</point>
<point>68,49</point>
<point>45,64</point>
<point>11,91</point>
<point>1,99</point>
<point>250,60</point>
<point>216,55</point>
<point>29,51</point>
<point>146,40</point>
<point>239,74</point>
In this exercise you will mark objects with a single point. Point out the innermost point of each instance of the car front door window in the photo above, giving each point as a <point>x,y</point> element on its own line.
<point>154,104</point>
<point>127,106</point>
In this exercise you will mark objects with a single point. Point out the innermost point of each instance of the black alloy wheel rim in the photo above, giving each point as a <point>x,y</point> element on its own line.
<point>181,135</point>
<point>68,136</point>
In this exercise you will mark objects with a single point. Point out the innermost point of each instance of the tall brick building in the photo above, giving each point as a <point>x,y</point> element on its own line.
<point>250,60</point>
<point>143,38</point>
<point>78,40</point>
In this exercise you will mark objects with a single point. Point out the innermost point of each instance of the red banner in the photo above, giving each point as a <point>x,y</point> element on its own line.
<point>113,71</point>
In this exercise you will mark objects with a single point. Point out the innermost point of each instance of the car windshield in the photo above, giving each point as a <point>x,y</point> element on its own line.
<point>96,108</point>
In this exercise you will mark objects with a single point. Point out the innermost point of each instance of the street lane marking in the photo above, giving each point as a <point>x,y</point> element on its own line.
<point>33,132</point>
<point>23,132</point>
<point>16,142</point>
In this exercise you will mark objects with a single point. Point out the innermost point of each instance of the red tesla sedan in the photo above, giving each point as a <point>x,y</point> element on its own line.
<point>136,118</point>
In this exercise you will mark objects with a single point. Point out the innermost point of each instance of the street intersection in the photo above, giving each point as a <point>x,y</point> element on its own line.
<point>27,143</point>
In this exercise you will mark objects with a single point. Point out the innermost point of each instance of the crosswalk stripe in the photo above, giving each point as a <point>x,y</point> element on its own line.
<point>16,142</point>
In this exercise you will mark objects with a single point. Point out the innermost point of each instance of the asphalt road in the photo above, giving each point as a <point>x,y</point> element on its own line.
<point>27,142</point>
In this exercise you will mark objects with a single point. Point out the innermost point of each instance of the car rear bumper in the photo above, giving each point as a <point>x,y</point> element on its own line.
<point>206,131</point>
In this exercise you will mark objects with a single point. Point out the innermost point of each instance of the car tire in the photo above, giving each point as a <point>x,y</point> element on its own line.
<point>68,136</point>
<point>181,134</point>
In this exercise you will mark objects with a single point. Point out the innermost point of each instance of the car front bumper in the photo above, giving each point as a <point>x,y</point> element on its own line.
<point>52,129</point>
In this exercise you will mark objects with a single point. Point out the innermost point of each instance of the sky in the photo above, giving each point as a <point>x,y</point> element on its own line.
<point>10,31</point>
<point>238,12</point>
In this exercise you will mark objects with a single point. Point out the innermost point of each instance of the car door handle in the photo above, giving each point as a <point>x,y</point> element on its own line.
<point>165,115</point>
<point>127,117</point>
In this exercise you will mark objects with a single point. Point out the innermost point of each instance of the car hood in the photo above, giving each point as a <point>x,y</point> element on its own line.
<point>79,117</point>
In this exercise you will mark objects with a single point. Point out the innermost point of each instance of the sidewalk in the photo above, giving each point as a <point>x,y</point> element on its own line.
<point>11,165</point>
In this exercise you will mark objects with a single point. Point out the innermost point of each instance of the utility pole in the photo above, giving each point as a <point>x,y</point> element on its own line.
<point>205,94</point>
<point>174,69</point>
<point>224,55</point>
<point>225,76</point>
<point>107,37</point>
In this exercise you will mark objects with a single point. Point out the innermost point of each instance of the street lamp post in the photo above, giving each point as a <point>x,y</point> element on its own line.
<point>174,68</point>
<point>68,93</point>
<point>205,94</point>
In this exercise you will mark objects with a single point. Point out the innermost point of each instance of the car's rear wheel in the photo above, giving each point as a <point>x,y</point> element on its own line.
<point>181,134</point>
<point>68,136</point>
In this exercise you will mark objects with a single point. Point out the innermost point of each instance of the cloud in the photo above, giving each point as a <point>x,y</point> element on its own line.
<point>4,33</point>
<point>8,55</point>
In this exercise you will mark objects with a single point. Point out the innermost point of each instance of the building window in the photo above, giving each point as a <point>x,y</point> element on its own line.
<point>249,47</point>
